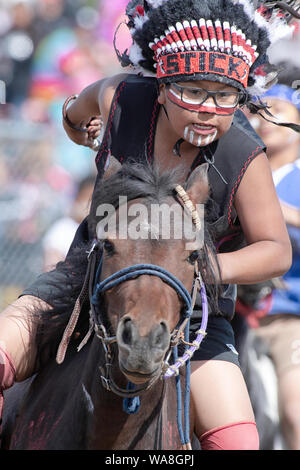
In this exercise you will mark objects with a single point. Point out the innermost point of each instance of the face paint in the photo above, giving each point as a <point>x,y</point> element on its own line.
<point>198,108</point>
<point>189,136</point>
<point>186,131</point>
<point>211,137</point>
<point>199,141</point>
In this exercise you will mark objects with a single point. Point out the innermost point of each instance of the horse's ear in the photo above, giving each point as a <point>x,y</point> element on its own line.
<point>197,186</point>
<point>113,167</point>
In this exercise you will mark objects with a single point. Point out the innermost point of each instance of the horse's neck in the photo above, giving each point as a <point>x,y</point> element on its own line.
<point>98,403</point>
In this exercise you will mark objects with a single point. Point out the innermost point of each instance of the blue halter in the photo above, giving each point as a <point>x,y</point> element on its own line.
<point>146,269</point>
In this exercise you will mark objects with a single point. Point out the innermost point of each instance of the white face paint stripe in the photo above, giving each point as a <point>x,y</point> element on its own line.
<point>186,130</point>
<point>211,137</point>
<point>192,135</point>
<point>174,93</point>
<point>214,135</point>
<point>199,141</point>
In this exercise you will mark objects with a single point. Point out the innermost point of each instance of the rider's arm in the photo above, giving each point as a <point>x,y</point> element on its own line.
<point>268,251</point>
<point>93,101</point>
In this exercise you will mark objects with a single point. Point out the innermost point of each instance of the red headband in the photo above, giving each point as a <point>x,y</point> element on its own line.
<point>199,62</point>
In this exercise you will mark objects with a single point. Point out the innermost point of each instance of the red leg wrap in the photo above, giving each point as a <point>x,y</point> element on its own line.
<point>236,436</point>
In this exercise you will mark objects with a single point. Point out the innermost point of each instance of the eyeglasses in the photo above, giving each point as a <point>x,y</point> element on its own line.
<point>197,96</point>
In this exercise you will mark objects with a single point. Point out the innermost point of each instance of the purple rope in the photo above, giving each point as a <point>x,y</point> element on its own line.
<point>201,334</point>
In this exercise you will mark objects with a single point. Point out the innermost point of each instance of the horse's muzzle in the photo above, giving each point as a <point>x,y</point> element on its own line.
<point>141,357</point>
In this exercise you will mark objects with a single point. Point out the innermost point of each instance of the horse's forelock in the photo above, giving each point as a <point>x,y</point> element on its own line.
<point>133,181</point>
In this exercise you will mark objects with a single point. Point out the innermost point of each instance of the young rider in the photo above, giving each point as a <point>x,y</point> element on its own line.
<point>196,63</point>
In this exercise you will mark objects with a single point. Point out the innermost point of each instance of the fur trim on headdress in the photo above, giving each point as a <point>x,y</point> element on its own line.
<point>225,40</point>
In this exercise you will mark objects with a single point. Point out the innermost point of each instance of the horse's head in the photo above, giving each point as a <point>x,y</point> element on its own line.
<point>146,225</point>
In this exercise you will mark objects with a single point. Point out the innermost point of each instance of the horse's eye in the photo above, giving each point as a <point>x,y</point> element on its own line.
<point>193,257</point>
<point>108,247</point>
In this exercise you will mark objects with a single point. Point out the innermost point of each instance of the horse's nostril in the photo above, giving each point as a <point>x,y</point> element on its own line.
<point>161,335</point>
<point>127,331</point>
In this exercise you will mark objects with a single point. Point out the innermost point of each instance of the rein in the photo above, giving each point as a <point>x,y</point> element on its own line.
<point>94,289</point>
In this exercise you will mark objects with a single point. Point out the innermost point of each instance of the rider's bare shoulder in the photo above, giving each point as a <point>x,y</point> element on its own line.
<point>107,91</point>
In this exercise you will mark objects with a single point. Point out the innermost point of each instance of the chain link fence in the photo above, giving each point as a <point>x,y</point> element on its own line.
<point>34,192</point>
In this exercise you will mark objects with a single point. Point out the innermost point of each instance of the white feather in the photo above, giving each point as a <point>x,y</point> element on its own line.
<point>279,29</point>
<point>155,3</point>
<point>260,20</point>
<point>135,54</point>
<point>248,7</point>
<point>145,73</point>
<point>139,21</point>
<point>260,85</point>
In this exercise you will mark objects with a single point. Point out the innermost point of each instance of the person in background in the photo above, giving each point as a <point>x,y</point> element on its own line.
<point>57,240</point>
<point>277,321</point>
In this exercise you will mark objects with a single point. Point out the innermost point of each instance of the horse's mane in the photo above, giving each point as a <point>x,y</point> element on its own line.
<point>133,181</point>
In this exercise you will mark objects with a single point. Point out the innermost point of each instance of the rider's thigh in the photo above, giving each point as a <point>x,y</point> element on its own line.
<point>219,395</point>
<point>17,334</point>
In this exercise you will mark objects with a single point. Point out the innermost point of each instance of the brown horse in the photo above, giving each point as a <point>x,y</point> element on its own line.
<point>77,400</point>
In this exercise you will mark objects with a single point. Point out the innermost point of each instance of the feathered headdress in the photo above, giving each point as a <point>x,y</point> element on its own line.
<point>219,40</point>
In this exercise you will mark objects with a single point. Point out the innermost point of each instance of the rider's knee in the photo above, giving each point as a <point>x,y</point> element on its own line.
<point>7,370</point>
<point>235,436</point>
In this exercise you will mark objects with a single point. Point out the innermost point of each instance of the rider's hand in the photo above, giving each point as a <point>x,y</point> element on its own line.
<point>94,128</point>
<point>88,138</point>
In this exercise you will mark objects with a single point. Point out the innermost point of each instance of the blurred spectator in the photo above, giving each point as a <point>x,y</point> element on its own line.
<point>34,192</point>
<point>57,240</point>
<point>279,328</point>
<point>49,49</point>
<point>16,49</point>
<point>50,15</point>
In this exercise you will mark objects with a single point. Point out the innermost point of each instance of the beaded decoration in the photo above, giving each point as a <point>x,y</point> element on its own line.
<point>205,35</point>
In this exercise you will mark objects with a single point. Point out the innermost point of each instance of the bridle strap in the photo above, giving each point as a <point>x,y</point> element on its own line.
<point>144,269</point>
<point>69,330</point>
